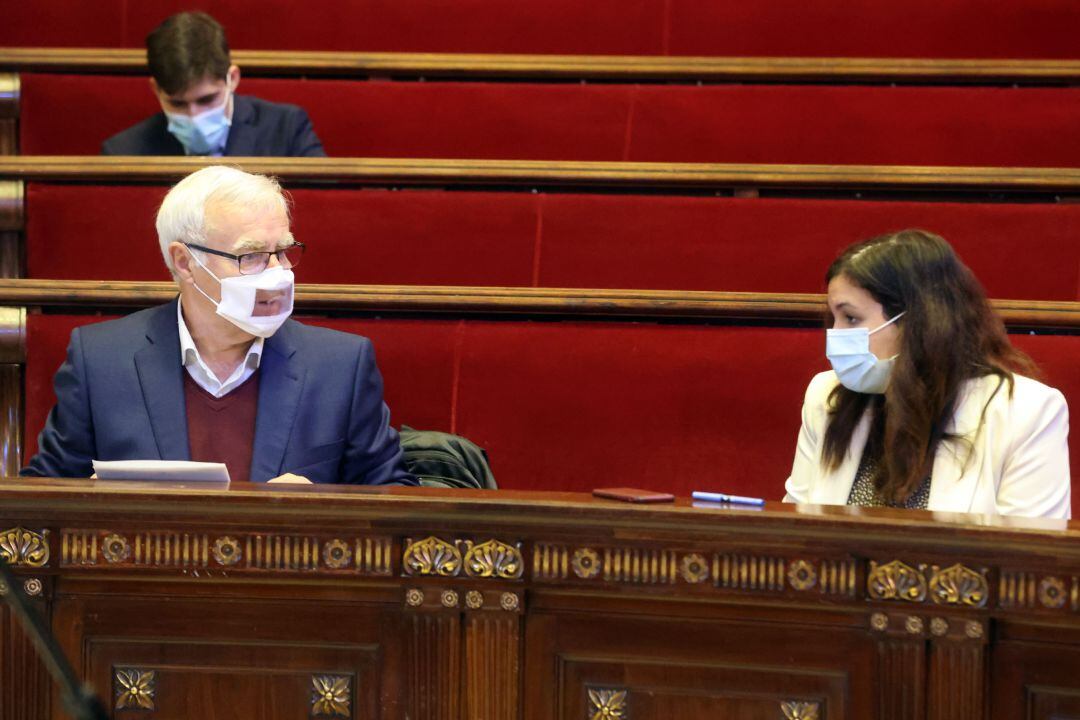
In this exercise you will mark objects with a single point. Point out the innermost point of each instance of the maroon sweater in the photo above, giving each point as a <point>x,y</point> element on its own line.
<point>223,429</point>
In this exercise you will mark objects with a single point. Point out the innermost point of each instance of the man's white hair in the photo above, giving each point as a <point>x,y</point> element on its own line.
<point>182,215</point>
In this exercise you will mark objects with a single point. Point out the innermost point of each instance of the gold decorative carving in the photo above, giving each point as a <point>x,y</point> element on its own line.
<point>494,559</point>
<point>474,600</point>
<point>640,565</point>
<point>509,601</point>
<point>414,597</point>
<point>586,563</point>
<point>331,695</point>
<point>879,621</point>
<point>694,568</point>
<point>282,552</point>
<point>550,562</point>
<point>973,629</point>
<point>3,588</point>
<point>227,550</point>
<point>837,577</point>
<point>895,581</point>
<point>939,626</point>
<point>607,704</point>
<point>802,575</point>
<point>798,710</point>
<point>1052,592</point>
<point>914,625</point>
<point>958,585</point>
<point>19,546</point>
<point>449,598</point>
<point>134,688</point>
<point>745,572</point>
<point>431,556</point>
<point>373,555</point>
<point>33,587</point>
<point>115,548</point>
<point>336,554</point>
<point>78,547</point>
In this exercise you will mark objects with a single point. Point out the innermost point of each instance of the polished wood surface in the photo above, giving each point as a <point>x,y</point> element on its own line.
<point>265,601</point>
<point>566,67</point>
<point>542,173</point>
<point>90,295</point>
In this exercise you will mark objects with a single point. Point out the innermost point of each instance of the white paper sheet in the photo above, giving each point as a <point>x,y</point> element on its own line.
<point>172,470</point>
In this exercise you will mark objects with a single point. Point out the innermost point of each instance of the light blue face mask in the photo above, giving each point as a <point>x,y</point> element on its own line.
<point>202,134</point>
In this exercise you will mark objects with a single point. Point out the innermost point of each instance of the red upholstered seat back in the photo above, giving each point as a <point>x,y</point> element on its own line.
<point>516,239</point>
<point>655,123</point>
<point>579,405</point>
<point>915,28</point>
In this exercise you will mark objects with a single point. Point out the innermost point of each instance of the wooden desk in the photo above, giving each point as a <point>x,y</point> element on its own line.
<point>270,602</point>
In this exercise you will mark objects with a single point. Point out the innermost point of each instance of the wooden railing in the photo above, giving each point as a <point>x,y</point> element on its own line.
<point>543,173</point>
<point>620,68</point>
<point>89,295</point>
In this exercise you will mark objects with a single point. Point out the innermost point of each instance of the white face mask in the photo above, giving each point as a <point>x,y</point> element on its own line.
<point>859,369</point>
<point>238,298</point>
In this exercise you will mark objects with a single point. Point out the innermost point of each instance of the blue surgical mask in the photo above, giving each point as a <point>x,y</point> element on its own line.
<point>202,134</point>
<point>857,368</point>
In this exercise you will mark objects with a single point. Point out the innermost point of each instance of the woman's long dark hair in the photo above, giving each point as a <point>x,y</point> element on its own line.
<point>948,334</point>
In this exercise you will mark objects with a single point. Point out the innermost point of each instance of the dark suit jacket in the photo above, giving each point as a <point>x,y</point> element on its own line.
<point>259,128</point>
<point>120,396</point>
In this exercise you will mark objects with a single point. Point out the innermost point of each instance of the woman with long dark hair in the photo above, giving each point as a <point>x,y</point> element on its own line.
<point>927,405</point>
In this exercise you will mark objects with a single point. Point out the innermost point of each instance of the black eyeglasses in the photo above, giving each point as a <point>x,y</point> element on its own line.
<point>253,263</point>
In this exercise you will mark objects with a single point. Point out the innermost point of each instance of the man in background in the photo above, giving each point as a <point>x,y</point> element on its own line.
<point>194,79</point>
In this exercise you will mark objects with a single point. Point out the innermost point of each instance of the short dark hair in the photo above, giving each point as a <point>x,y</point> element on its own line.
<point>186,48</point>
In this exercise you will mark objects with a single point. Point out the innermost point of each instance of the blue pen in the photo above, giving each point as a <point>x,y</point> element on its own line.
<point>724,498</point>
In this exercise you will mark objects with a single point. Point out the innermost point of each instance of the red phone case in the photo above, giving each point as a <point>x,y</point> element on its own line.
<point>634,495</point>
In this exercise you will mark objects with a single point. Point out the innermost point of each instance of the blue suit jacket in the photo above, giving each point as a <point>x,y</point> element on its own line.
<point>259,128</point>
<point>120,396</point>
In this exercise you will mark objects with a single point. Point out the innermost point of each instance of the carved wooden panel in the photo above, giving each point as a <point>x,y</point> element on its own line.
<point>492,668</point>
<point>1035,681</point>
<point>24,681</point>
<point>221,658</point>
<point>694,667</point>
<point>435,665</point>
<point>956,681</point>
<point>901,672</point>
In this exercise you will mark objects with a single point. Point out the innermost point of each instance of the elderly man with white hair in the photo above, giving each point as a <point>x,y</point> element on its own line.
<point>221,374</point>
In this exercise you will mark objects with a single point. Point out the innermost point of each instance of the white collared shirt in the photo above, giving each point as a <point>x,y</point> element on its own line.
<point>201,373</point>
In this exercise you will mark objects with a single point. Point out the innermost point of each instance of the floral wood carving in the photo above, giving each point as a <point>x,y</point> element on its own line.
<point>226,550</point>
<point>694,568</point>
<point>958,585</point>
<point>19,546</point>
<point>802,575</point>
<point>607,704</point>
<point>331,695</point>
<point>336,554</point>
<point>586,563</point>
<point>895,581</point>
<point>431,556</point>
<point>494,559</point>
<point>1052,592</point>
<point>134,688</point>
<point>800,710</point>
<point>116,548</point>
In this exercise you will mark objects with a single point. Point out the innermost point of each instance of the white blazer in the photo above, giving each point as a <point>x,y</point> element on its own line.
<point>1019,462</point>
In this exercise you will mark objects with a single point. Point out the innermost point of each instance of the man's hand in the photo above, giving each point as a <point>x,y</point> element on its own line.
<point>290,478</point>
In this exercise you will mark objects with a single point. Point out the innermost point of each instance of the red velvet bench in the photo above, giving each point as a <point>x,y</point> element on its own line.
<point>574,405</point>
<point>521,239</point>
<point>916,28</point>
<point>73,114</point>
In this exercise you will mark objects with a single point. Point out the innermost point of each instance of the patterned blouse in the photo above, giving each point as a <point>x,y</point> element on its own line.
<point>864,493</point>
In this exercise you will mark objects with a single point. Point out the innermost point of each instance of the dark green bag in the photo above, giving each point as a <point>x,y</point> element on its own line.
<point>439,459</point>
